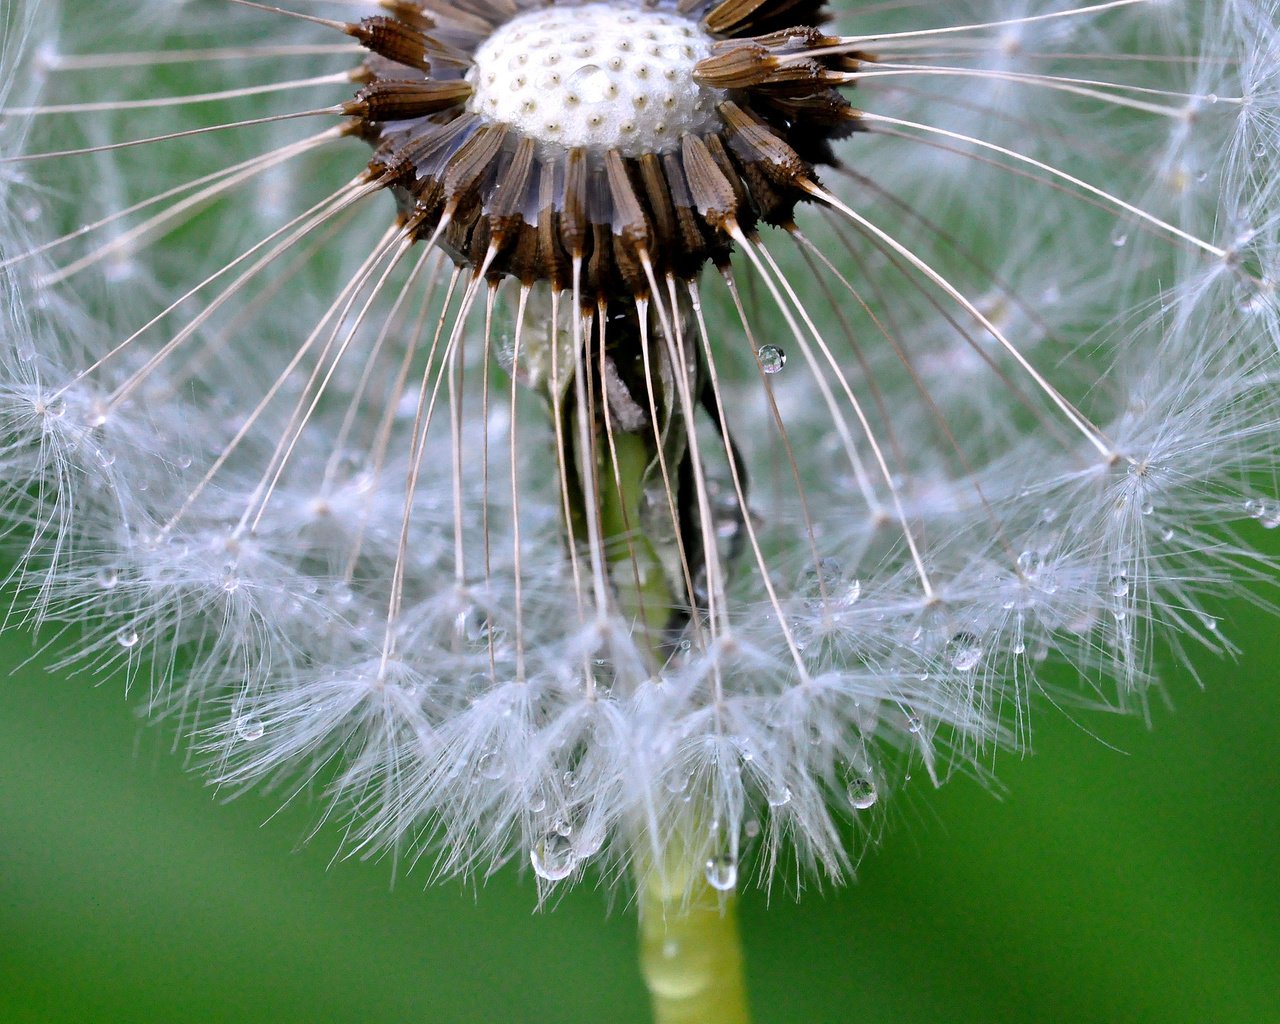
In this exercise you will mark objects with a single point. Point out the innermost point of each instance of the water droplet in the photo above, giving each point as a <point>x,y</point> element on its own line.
<point>250,728</point>
<point>55,408</point>
<point>964,651</point>
<point>824,582</point>
<point>554,857</point>
<point>1030,563</point>
<point>914,724</point>
<point>722,872</point>
<point>127,637</point>
<point>570,779</point>
<point>1146,508</point>
<point>491,766</point>
<point>779,797</point>
<point>1120,238</point>
<point>751,828</point>
<point>851,593</point>
<point>538,802</point>
<point>107,578</point>
<point>772,358</point>
<point>562,827</point>
<point>862,793</point>
<point>1120,585</point>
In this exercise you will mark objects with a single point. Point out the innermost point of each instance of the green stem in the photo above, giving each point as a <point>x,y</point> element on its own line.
<point>690,950</point>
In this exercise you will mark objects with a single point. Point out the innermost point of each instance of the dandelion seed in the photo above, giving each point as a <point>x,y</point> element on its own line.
<point>588,433</point>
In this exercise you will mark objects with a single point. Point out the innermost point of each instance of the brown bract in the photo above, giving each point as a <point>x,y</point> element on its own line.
<point>512,205</point>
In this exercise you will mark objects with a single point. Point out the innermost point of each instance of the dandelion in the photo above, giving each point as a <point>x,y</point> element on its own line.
<point>579,434</point>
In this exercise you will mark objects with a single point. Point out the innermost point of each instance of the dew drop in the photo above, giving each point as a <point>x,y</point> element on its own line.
<point>964,651</point>
<point>751,828</point>
<point>1030,563</point>
<point>107,578</point>
<point>1266,513</point>
<point>862,793</point>
<point>554,857</point>
<point>1120,585</point>
<point>570,779</point>
<point>127,637</point>
<point>1120,238</point>
<point>772,359</point>
<point>250,728</point>
<point>722,872</point>
<point>914,724</point>
<point>779,797</point>
<point>491,766</point>
<point>851,593</point>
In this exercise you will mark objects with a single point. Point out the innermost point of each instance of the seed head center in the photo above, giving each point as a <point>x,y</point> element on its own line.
<point>598,75</point>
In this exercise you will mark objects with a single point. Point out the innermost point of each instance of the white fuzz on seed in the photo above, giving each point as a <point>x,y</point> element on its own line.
<point>601,76</point>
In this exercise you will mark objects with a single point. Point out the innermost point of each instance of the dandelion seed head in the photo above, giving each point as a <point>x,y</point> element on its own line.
<point>562,493</point>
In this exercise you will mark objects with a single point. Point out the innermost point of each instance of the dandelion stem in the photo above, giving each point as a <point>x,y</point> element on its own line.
<point>690,949</point>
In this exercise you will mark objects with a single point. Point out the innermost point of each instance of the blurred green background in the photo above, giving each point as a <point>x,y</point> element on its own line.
<point>1127,885</point>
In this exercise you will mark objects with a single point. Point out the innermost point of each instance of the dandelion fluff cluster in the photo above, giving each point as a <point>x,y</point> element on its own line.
<point>680,486</point>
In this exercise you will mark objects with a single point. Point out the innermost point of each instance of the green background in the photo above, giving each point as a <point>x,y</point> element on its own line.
<point>1108,885</point>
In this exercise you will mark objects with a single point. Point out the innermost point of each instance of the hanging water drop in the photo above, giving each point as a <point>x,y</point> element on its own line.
<point>722,872</point>
<point>1120,585</point>
<point>964,651</point>
<point>772,359</point>
<point>491,766</point>
<point>250,728</point>
<point>553,857</point>
<point>127,636</point>
<point>862,793</point>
